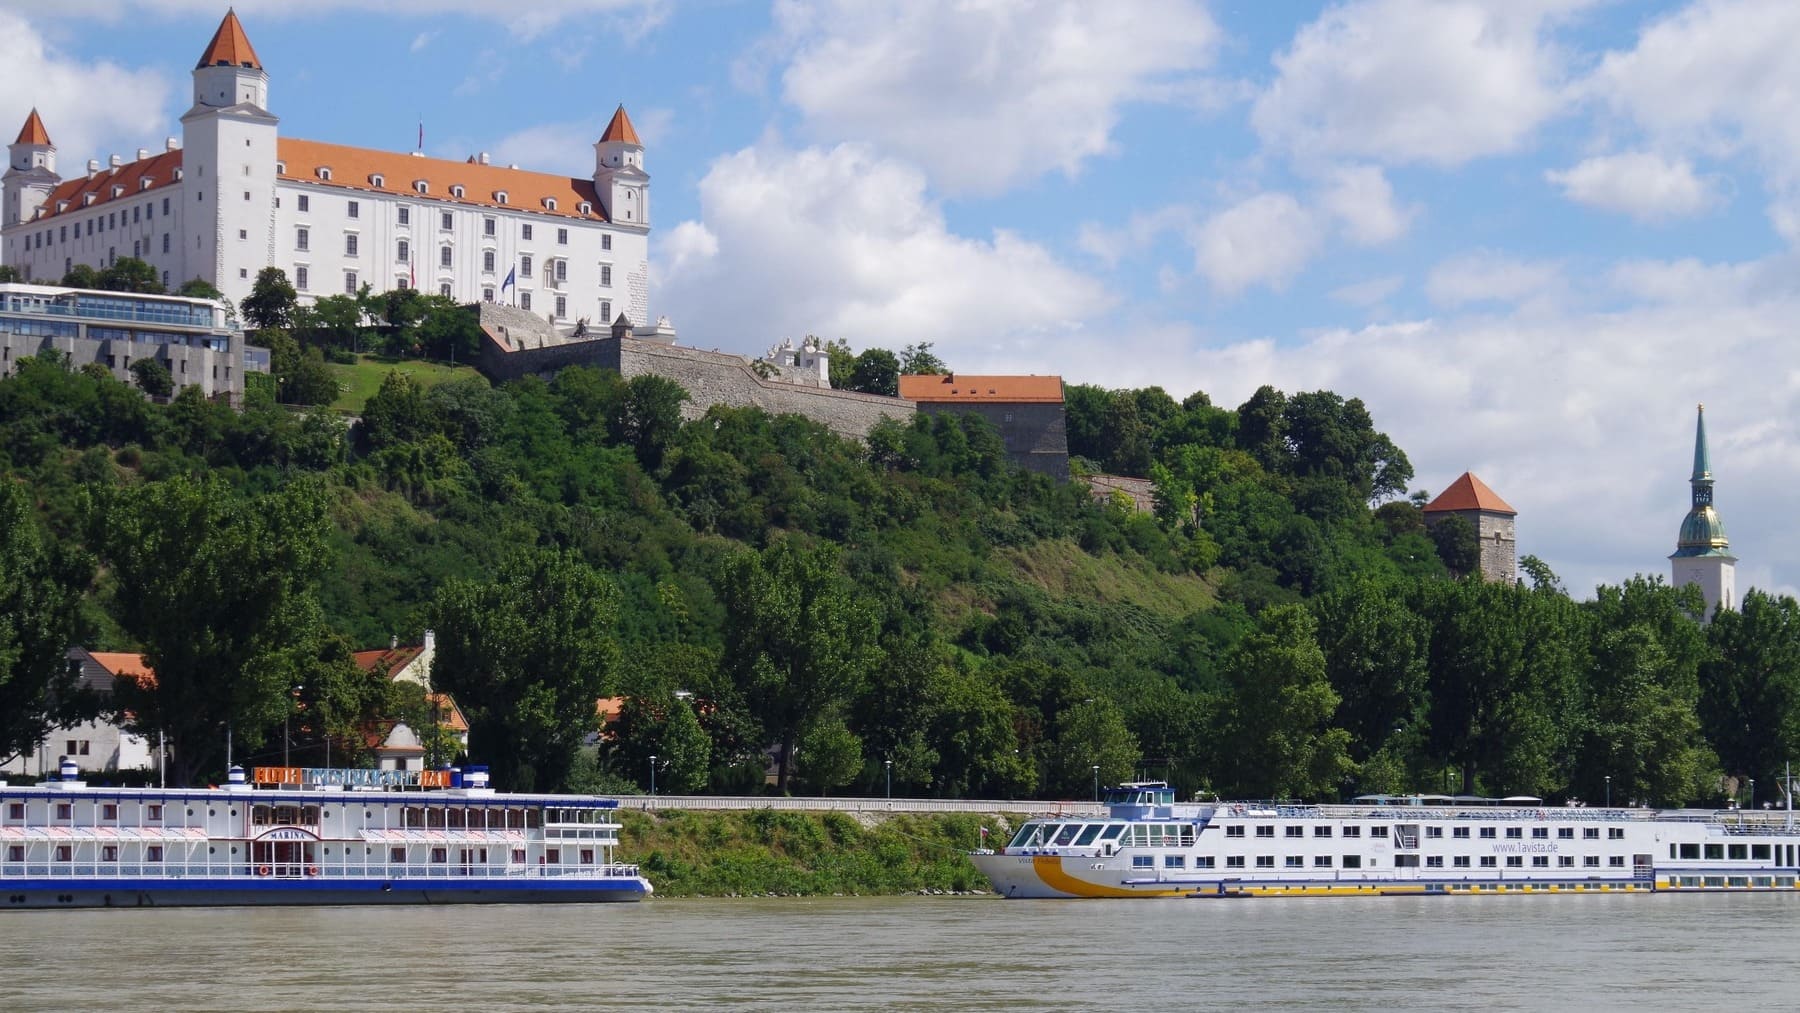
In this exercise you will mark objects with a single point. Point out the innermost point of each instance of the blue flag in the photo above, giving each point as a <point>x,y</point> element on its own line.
<point>508,283</point>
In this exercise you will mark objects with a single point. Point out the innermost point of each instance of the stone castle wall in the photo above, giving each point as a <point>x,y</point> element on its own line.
<point>1036,435</point>
<point>1494,538</point>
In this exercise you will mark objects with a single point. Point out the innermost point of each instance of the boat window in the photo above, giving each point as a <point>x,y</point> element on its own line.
<point>1737,852</point>
<point>457,819</point>
<point>434,818</point>
<point>415,817</point>
<point>1088,833</point>
<point>1379,830</point>
<point>1353,831</point>
<point>1715,851</point>
<point>1235,830</point>
<point>1760,852</point>
<point>1025,833</point>
<point>1067,836</point>
<point>1112,831</point>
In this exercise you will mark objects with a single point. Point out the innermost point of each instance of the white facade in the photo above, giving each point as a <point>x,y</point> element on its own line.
<point>232,196</point>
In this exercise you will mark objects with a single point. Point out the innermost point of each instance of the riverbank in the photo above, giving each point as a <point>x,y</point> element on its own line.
<point>765,851</point>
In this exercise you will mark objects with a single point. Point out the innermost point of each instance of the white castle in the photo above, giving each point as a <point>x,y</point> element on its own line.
<point>231,196</point>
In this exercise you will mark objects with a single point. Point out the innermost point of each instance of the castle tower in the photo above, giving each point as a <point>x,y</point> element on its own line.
<point>1702,552</point>
<point>228,162</point>
<point>619,177</point>
<point>30,171</point>
<point>1469,498</point>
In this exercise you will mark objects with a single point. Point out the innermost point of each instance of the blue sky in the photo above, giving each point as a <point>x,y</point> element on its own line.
<point>1531,234</point>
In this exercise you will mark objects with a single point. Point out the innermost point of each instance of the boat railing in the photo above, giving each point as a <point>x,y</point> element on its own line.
<point>102,871</point>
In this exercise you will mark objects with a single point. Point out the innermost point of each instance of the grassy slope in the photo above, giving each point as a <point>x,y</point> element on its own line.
<point>361,381</point>
<point>1064,571</point>
<point>761,851</point>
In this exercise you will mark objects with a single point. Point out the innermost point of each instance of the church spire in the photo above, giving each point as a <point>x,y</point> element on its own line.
<point>1702,459</point>
<point>1702,552</point>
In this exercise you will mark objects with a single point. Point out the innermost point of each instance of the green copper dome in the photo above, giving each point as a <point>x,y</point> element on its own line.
<point>1702,532</point>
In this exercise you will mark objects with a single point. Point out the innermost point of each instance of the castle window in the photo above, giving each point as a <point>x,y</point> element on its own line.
<point>280,168</point>
<point>524,300</point>
<point>420,186</point>
<point>305,204</point>
<point>562,237</point>
<point>405,215</point>
<point>443,256</point>
<point>606,240</point>
<point>447,221</point>
<point>350,282</point>
<point>300,279</point>
<point>586,208</point>
<point>525,232</point>
<point>562,271</point>
<point>562,307</point>
<point>549,203</point>
<point>377,181</point>
<point>606,310</point>
<point>487,295</point>
<point>444,289</point>
<point>525,267</point>
<point>324,173</point>
<point>500,196</point>
<point>350,243</point>
<point>487,226</point>
<point>353,210</point>
<point>606,275</point>
<point>487,261</point>
<point>456,191</point>
<point>404,252</point>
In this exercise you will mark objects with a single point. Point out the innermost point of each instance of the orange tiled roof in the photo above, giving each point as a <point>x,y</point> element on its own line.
<point>620,129</point>
<point>160,170</point>
<point>1469,493</point>
<point>449,714</point>
<point>991,389</point>
<point>33,131</point>
<point>229,47</point>
<point>129,666</point>
<point>386,660</point>
<point>356,168</point>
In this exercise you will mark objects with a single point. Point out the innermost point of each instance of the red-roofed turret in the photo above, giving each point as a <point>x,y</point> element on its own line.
<point>230,47</point>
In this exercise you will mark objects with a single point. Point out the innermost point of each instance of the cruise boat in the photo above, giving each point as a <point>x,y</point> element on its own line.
<point>290,835</point>
<point>1150,845</point>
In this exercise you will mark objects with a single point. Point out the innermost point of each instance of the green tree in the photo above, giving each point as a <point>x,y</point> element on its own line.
<point>40,601</point>
<point>220,591</point>
<point>527,654</point>
<point>798,641</point>
<point>153,377</point>
<point>200,288</point>
<point>81,276</point>
<point>129,274</point>
<point>10,274</point>
<point>1750,685</point>
<point>1091,734</point>
<point>400,412</point>
<point>919,359</point>
<point>875,371</point>
<point>1275,738</point>
<point>829,755</point>
<point>1458,547</point>
<point>271,301</point>
<point>1374,646</point>
<point>647,417</point>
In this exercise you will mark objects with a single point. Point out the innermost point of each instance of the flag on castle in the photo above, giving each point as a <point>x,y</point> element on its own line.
<point>511,275</point>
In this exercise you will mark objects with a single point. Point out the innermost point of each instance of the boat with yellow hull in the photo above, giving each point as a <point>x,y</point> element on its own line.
<point>1149,845</point>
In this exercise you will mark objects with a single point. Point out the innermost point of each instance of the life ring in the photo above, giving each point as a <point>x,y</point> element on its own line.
<point>263,870</point>
<point>312,870</point>
<point>1542,815</point>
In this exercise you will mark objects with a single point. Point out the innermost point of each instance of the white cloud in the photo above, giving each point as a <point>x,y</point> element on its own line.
<point>1263,240</point>
<point>568,147</point>
<point>631,19</point>
<point>1139,232</point>
<point>1716,79</point>
<point>1372,292</point>
<point>85,105</point>
<point>1399,81</point>
<point>842,242</point>
<point>1641,184</point>
<point>1362,201</point>
<point>986,93</point>
<point>1490,277</point>
<point>421,40</point>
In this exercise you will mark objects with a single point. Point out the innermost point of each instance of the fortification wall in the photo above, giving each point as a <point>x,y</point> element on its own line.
<point>712,378</point>
<point>1036,435</point>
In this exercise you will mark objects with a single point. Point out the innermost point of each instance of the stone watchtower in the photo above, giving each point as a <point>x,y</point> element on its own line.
<point>1469,498</point>
<point>1702,552</point>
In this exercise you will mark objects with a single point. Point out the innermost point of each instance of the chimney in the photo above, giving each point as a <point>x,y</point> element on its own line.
<point>93,167</point>
<point>512,165</point>
<point>171,144</point>
<point>483,158</point>
<point>114,161</point>
<point>393,642</point>
<point>143,153</point>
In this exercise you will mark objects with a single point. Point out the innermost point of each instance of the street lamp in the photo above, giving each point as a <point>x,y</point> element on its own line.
<point>1096,782</point>
<point>652,773</point>
<point>889,765</point>
<point>286,739</point>
<point>1753,793</point>
<point>1609,791</point>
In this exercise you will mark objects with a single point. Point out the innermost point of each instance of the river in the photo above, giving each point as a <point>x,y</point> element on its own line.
<point>926,953</point>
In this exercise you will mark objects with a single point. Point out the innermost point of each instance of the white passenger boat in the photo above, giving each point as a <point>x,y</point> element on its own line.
<point>1149,845</point>
<point>307,836</point>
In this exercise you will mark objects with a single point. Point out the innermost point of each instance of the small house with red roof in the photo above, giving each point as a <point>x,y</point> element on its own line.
<point>1027,412</point>
<point>396,745</point>
<point>1492,518</point>
<point>102,745</point>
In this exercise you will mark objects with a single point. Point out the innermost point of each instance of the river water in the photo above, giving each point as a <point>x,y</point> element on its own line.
<point>926,953</point>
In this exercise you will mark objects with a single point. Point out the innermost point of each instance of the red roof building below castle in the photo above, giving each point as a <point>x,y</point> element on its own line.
<point>126,666</point>
<point>1469,493</point>
<point>959,388</point>
<point>386,661</point>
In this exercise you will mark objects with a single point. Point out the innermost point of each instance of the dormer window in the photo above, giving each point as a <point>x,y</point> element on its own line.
<point>87,199</point>
<point>61,206</point>
<point>144,182</point>
<point>280,168</point>
<point>323,172</point>
<point>457,191</point>
<point>585,208</point>
<point>377,180</point>
<point>549,203</point>
<point>117,190</point>
<point>179,172</point>
<point>499,196</point>
<point>420,186</point>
